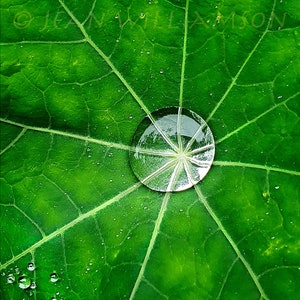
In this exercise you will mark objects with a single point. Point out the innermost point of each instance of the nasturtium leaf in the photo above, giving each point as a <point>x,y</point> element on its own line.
<point>80,81</point>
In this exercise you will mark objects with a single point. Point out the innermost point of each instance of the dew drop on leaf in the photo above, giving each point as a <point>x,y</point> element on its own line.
<point>30,266</point>
<point>53,277</point>
<point>33,285</point>
<point>173,150</point>
<point>11,278</point>
<point>24,282</point>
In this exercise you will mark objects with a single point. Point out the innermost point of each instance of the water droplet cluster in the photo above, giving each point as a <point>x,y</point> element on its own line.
<point>24,278</point>
<point>173,150</point>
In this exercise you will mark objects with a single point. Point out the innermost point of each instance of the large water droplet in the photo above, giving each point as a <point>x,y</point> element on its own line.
<point>174,152</point>
<point>24,282</point>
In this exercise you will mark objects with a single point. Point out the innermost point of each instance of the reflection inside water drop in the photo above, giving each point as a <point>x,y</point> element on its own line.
<point>54,277</point>
<point>173,150</point>
<point>30,266</point>
<point>11,278</point>
<point>24,282</point>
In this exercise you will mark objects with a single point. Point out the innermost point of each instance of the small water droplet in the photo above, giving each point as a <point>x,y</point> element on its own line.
<point>30,266</point>
<point>54,277</point>
<point>117,40</point>
<point>148,52</point>
<point>128,238</point>
<point>130,116</point>
<point>33,285</point>
<point>142,15</point>
<point>276,187</point>
<point>17,270</point>
<point>11,278</point>
<point>24,282</point>
<point>161,71</point>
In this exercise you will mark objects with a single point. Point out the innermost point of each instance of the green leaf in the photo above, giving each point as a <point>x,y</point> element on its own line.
<point>77,78</point>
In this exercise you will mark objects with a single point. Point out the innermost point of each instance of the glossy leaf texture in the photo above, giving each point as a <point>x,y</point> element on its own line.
<point>77,78</point>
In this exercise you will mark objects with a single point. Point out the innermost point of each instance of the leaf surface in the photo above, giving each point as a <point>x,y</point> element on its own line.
<point>77,78</point>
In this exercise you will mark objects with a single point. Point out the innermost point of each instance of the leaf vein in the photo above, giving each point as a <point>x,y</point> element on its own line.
<point>235,78</point>
<point>254,166</point>
<point>228,135</point>
<point>254,277</point>
<point>72,224</point>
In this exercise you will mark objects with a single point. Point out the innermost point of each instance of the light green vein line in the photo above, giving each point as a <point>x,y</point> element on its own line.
<point>160,170</point>
<point>155,288</point>
<point>184,53</point>
<point>255,119</point>
<point>226,278</point>
<point>234,79</point>
<point>179,139</point>
<point>12,143</point>
<point>70,135</point>
<point>26,216</point>
<point>84,138</point>
<point>64,193</point>
<point>155,233</point>
<point>44,42</point>
<point>253,166</point>
<point>118,74</point>
<point>72,224</point>
<point>231,242</point>
<point>278,268</point>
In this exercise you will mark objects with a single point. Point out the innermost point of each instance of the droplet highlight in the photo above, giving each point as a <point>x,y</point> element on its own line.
<point>24,282</point>
<point>173,150</point>
<point>30,266</point>
<point>11,278</point>
<point>54,277</point>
